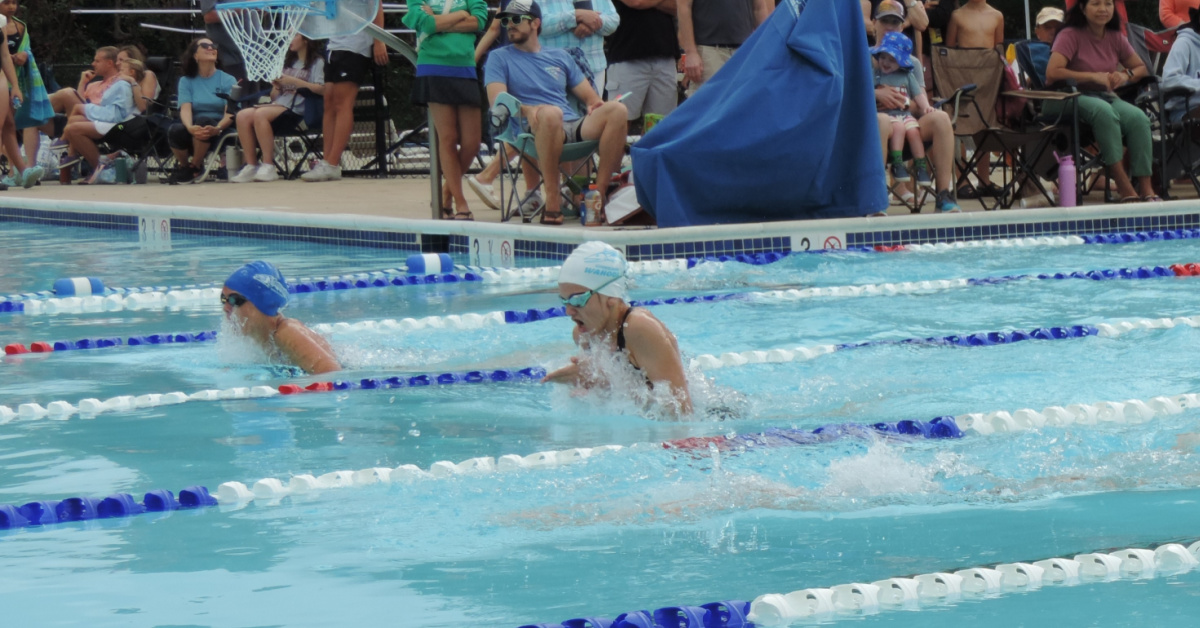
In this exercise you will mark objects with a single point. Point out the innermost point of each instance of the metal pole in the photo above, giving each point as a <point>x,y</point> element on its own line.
<point>1028,30</point>
<point>380,122</point>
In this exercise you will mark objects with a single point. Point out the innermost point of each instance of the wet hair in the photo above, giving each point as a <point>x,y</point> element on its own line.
<point>1075,17</point>
<point>191,67</point>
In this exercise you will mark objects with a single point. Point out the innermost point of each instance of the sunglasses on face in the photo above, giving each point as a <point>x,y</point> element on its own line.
<point>509,21</point>
<point>233,299</point>
<point>207,46</point>
<point>580,299</point>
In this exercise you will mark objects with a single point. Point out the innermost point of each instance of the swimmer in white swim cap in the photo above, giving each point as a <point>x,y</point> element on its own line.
<point>253,296</point>
<point>592,288</point>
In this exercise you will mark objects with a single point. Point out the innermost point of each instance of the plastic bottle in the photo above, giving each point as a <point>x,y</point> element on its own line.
<point>1066,180</point>
<point>591,207</point>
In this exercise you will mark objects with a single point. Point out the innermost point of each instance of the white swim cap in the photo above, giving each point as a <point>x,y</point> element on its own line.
<point>594,264</point>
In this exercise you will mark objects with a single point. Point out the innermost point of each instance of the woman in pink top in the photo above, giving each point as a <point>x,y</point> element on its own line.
<point>1172,13</point>
<point>1091,51</point>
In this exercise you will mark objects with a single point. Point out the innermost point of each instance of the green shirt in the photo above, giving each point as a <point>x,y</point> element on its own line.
<point>444,49</point>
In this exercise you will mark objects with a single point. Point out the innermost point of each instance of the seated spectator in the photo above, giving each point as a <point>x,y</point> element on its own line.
<point>935,127</point>
<point>92,85</point>
<point>303,68</point>
<point>1174,13</point>
<point>147,87</point>
<point>893,60</point>
<point>1092,52</point>
<point>203,113</point>
<point>1122,13</point>
<point>540,78</point>
<point>1182,71</point>
<point>90,122</point>
<point>1047,24</point>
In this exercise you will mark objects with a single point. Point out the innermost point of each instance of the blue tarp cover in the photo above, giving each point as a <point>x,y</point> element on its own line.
<point>786,130</point>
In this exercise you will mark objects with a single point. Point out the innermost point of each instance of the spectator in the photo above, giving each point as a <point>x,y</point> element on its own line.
<point>447,83</point>
<point>642,56</point>
<point>1121,12</point>
<point>916,20</point>
<point>591,286</point>
<point>935,126</point>
<point>63,101</point>
<point>1092,51</point>
<point>94,121</point>
<point>977,25</point>
<point>1182,71</point>
<point>581,24</point>
<point>148,88</point>
<point>540,78</point>
<point>938,13</point>
<point>203,113</point>
<point>1047,24</point>
<point>230,55</point>
<point>347,61</point>
<point>303,68</point>
<point>711,31</point>
<point>1174,13</point>
<point>493,38</point>
<point>893,60</point>
<point>35,109</point>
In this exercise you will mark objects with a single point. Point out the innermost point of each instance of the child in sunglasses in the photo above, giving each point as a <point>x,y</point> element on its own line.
<point>591,286</point>
<point>252,298</point>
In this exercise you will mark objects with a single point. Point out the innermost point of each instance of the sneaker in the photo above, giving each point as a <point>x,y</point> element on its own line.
<point>31,176</point>
<point>183,174</point>
<point>945,203</point>
<point>923,177</point>
<point>485,192</point>
<point>266,172</point>
<point>900,171</point>
<point>532,204</point>
<point>59,144</point>
<point>245,175</point>
<point>66,161</point>
<point>322,172</point>
<point>9,181</point>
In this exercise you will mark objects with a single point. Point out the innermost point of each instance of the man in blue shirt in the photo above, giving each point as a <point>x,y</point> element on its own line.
<point>540,78</point>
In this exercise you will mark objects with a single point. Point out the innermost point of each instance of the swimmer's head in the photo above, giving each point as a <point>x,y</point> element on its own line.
<point>261,284</point>
<point>596,266</point>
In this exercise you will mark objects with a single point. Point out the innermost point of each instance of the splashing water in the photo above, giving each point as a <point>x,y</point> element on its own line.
<point>882,470</point>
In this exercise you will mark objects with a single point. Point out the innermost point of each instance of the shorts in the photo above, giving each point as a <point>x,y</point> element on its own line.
<point>572,131</point>
<point>909,121</point>
<point>131,135</point>
<point>179,138</point>
<point>286,122</point>
<point>446,90</point>
<point>344,66</point>
<point>650,83</point>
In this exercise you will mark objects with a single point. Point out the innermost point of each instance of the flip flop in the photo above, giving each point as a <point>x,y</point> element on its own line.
<point>464,216</point>
<point>1153,198</point>
<point>1131,199</point>
<point>552,219</point>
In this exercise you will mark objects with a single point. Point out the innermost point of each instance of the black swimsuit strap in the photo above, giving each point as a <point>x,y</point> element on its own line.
<point>621,330</point>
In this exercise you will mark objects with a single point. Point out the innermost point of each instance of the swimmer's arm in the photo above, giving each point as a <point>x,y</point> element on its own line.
<point>306,349</point>
<point>568,374</point>
<point>653,349</point>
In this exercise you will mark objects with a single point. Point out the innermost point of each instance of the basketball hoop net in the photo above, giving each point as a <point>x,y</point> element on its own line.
<point>263,30</point>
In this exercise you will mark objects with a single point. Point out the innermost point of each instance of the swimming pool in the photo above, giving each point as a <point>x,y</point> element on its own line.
<point>639,528</point>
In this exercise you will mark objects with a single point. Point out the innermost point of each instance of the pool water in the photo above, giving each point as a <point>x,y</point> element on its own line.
<point>640,528</point>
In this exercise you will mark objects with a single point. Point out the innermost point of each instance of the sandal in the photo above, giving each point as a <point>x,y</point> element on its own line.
<point>1153,198</point>
<point>463,216</point>
<point>1131,199</point>
<point>552,219</point>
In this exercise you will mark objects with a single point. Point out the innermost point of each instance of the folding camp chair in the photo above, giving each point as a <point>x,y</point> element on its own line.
<point>296,145</point>
<point>511,128</point>
<point>1151,46</point>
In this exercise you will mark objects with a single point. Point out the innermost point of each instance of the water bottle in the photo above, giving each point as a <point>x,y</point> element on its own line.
<point>1066,180</point>
<point>591,207</point>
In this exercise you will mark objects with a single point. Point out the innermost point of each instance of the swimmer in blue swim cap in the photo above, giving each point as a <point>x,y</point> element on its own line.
<point>591,286</point>
<point>252,297</point>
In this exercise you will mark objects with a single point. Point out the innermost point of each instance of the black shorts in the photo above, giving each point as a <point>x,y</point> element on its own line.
<point>344,66</point>
<point>179,138</point>
<point>286,122</point>
<point>131,135</point>
<point>446,90</point>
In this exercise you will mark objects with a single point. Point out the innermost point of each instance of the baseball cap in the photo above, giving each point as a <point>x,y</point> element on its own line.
<point>1049,14</point>
<point>897,45</point>
<point>522,7</point>
<point>889,7</point>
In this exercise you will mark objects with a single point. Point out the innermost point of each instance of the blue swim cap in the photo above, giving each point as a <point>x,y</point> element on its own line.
<point>262,284</point>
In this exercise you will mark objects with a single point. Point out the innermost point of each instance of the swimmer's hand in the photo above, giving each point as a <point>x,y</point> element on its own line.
<point>568,374</point>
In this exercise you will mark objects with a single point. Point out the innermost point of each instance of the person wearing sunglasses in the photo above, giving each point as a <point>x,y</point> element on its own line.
<point>592,289</point>
<point>252,298</point>
<point>203,113</point>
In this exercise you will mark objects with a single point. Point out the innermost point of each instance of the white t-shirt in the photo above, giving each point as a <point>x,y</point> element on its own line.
<point>288,96</point>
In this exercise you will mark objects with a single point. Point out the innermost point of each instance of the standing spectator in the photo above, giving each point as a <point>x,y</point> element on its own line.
<point>977,25</point>
<point>347,61</point>
<point>148,88</point>
<point>1173,13</point>
<point>303,68</point>
<point>581,24</point>
<point>203,114</point>
<point>230,55</point>
<point>711,31</point>
<point>35,109</point>
<point>1092,51</point>
<point>642,54</point>
<point>448,84</point>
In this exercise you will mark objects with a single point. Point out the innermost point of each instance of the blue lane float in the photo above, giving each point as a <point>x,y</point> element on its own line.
<point>725,614</point>
<point>50,512</point>
<point>78,287</point>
